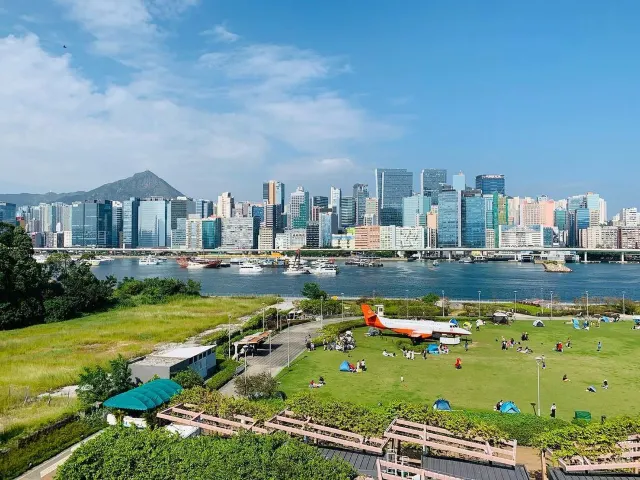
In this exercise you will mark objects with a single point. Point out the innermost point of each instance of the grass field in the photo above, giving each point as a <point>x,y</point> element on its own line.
<point>488,374</point>
<point>43,357</point>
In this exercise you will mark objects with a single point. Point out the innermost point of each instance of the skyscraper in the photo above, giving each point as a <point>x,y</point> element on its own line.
<point>299,209</point>
<point>92,224</point>
<point>130,222</point>
<point>360,194</point>
<point>334,201</point>
<point>449,219</point>
<point>371,212</point>
<point>392,185</point>
<point>347,212</point>
<point>459,182</point>
<point>8,213</point>
<point>204,208</point>
<point>489,184</point>
<point>321,201</point>
<point>178,210</point>
<point>414,210</point>
<point>273,192</point>
<point>116,232</point>
<point>225,205</point>
<point>152,223</point>
<point>473,219</point>
<point>431,180</point>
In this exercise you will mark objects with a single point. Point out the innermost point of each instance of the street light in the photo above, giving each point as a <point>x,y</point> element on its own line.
<point>551,316</point>
<point>515,303</point>
<point>263,329</point>
<point>288,343</point>
<point>406,298</point>
<point>342,294</point>
<point>538,362</point>
<point>442,303</point>
<point>229,335</point>
<point>245,350</point>
<point>622,303</point>
<point>479,304</point>
<point>321,315</point>
<point>587,304</point>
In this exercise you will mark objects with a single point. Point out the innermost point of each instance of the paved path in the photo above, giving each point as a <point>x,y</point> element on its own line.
<point>285,346</point>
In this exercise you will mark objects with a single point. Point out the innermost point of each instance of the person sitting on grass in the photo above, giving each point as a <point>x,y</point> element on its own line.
<point>388,354</point>
<point>591,389</point>
<point>321,380</point>
<point>458,364</point>
<point>605,385</point>
<point>565,378</point>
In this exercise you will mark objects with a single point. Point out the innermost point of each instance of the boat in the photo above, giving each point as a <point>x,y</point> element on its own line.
<point>94,262</point>
<point>196,265</point>
<point>327,269</point>
<point>149,260</point>
<point>436,263</point>
<point>249,268</point>
<point>296,270</point>
<point>105,258</point>
<point>225,265</point>
<point>185,262</point>
<point>466,260</point>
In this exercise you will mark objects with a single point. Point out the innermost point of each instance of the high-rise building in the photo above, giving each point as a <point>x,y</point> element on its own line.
<point>629,217</point>
<point>560,219</point>
<point>204,208</point>
<point>367,238</point>
<point>225,205</point>
<point>321,201</point>
<point>257,211</point>
<point>579,219</point>
<point>117,224</point>
<point>431,181</point>
<point>130,222</point>
<point>273,193</point>
<point>449,219</point>
<point>603,211</point>
<point>489,184</point>
<point>240,233</point>
<point>313,235</point>
<point>273,217</point>
<point>335,195</point>
<point>211,233</point>
<point>299,209</point>
<point>347,214</point>
<point>473,217</point>
<point>459,182</point>
<point>92,224</point>
<point>415,209</point>
<point>519,236</point>
<point>178,210</point>
<point>371,212</point>
<point>8,213</point>
<point>392,185</point>
<point>629,237</point>
<point>360,194</point>
<point>153,225</point>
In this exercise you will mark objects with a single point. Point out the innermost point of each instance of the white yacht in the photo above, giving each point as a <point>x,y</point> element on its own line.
<point>148,261</point>
<point>250,268</point>
<point>94,262</point>
<point>196,265</point>
<point>296,270</point>
<point>105,258</point>
<point>436,263</point>
<point>326,269</point>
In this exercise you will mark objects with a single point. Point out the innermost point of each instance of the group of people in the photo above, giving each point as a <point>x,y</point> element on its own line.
<point>506,344</point>
<point>318,384</point>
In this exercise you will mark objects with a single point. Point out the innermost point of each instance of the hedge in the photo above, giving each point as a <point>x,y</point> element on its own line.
<point>226,371</point>
<point>18,460</point>
<point>331,331</point>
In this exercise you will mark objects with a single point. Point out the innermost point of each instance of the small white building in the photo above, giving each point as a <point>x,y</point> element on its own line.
<point>165,364</point>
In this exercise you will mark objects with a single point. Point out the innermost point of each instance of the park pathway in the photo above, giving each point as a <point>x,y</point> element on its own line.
<point>285,346</point>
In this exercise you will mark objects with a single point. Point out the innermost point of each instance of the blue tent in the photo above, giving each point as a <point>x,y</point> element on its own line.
<point>453,322</point>
<point>576,324</point>
<point>433,349</point>
<point>344,367</point>
<point>442,404</point>
<point>509,407</point>
<point>605,319</point>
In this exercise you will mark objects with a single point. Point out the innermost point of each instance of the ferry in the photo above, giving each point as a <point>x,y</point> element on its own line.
<point>296,270</point>
<point>436,263</point>
<point>185,262</point>
<point>149,260</point>
<point>94,262</point>
<point>466,260</point>
<point>250,268</point>
<point>325,269</point>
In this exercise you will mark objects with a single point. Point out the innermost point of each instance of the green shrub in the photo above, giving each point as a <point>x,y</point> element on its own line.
<point>331,331</point>
<point>226,371</point>
<point>188,378</point>
<point>19,459</point>
<point>524,427</point>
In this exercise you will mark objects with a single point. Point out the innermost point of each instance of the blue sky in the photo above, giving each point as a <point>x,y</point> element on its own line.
<point>221,95</point>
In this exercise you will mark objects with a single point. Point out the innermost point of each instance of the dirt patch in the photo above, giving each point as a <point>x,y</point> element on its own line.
<point>530,458</point>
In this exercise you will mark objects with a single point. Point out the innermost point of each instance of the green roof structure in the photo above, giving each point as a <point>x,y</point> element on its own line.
<point>145,397</point>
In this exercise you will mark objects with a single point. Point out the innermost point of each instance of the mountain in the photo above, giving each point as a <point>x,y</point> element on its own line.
<point>144,184</point>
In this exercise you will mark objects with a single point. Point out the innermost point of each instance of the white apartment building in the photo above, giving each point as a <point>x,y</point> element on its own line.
<point>599,237</point>
<point>343,241</point>
<point>282,241</point>
<point>225,205</point>
<point>194,233</point>
<point>388,237</point>
<point>511,236</point>
<point>412,237</point>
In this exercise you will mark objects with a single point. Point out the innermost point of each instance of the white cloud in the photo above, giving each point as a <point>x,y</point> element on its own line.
<point>222,34</point>
<point>204,127</point>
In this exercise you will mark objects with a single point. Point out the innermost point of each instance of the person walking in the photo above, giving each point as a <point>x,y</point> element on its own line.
<point>466,345</point>
<point>553,410</point>
<point>599,345</point>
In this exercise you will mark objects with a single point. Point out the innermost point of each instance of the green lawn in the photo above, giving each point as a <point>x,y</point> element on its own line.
<point>43,357</point>
<point>488,373</point>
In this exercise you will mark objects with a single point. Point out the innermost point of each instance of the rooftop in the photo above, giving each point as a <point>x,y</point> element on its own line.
<point>183,352</point>
<point>145,397</point>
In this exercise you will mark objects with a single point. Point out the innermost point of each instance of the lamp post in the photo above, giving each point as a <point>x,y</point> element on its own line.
<point>442,303</point>
<point>321,315</point>
<point>229,315</point>
<point>623,304</point>
<point>406,299</point>
<point>288,343</point>
<point>245,367</point>
<point>263,329</point>
<point>587,304</point>
<point>270,333</point>
<point>551,315</point>
<point>538,362</point>
<point>479,315</point>
<point>342,295</point>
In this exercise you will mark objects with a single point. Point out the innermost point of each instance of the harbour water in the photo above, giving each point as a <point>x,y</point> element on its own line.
<point>495,280</point>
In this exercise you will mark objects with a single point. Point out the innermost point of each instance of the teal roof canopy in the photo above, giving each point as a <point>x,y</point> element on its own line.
<point>145,397</point>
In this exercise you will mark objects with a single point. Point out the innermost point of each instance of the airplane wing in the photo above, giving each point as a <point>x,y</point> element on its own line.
<point>415,334</point>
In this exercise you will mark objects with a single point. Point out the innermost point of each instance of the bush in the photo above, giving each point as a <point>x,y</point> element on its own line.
<point>312,291</point>
<point>226,371</point>
<point>17,460</point>
<point>524,427</point>
<point>331,331</point>
<point>328,307</point>
<point>255,387</point>
<point>431,298</point>
<point>131,292</point>
<point>188,378</point>
<point>218,405</point>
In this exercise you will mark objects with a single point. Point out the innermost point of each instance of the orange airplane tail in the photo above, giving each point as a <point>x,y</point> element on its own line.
<point>370,318</point>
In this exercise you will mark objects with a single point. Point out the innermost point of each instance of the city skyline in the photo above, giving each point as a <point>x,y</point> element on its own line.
<point>543,94</point>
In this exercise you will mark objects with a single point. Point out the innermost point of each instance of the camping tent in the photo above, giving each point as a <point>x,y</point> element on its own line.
<point>467,325</point>
<point>432,348</point>
<point>500,317</point>
<point>372,332</point>
<point>453,322</point>
<point>605,319</point>
<point>509,407</point>
<point>442,404</point>
<point>538,323</point>
<point>576,324</point>
<point>344,367</point>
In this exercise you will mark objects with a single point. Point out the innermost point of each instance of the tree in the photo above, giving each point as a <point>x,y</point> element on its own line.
<point>312,291</point>
<point>188,378</point>
<point>120,375</point>
<point>258,386</point>
<point>21,280</point>
<point>431,298</point>
<point>97,384</point>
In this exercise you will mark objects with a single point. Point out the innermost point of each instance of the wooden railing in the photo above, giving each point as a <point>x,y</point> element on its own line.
<point>221,426</point>
<point>442,440</point>
<point>286,421</point>
<point>397,471</point>
<point>627,459</point>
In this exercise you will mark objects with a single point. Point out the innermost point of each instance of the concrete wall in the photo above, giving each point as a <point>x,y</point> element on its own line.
<point>144,373</point>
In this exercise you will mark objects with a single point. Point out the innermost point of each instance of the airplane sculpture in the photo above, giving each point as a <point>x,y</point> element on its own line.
<point>414,329</point>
